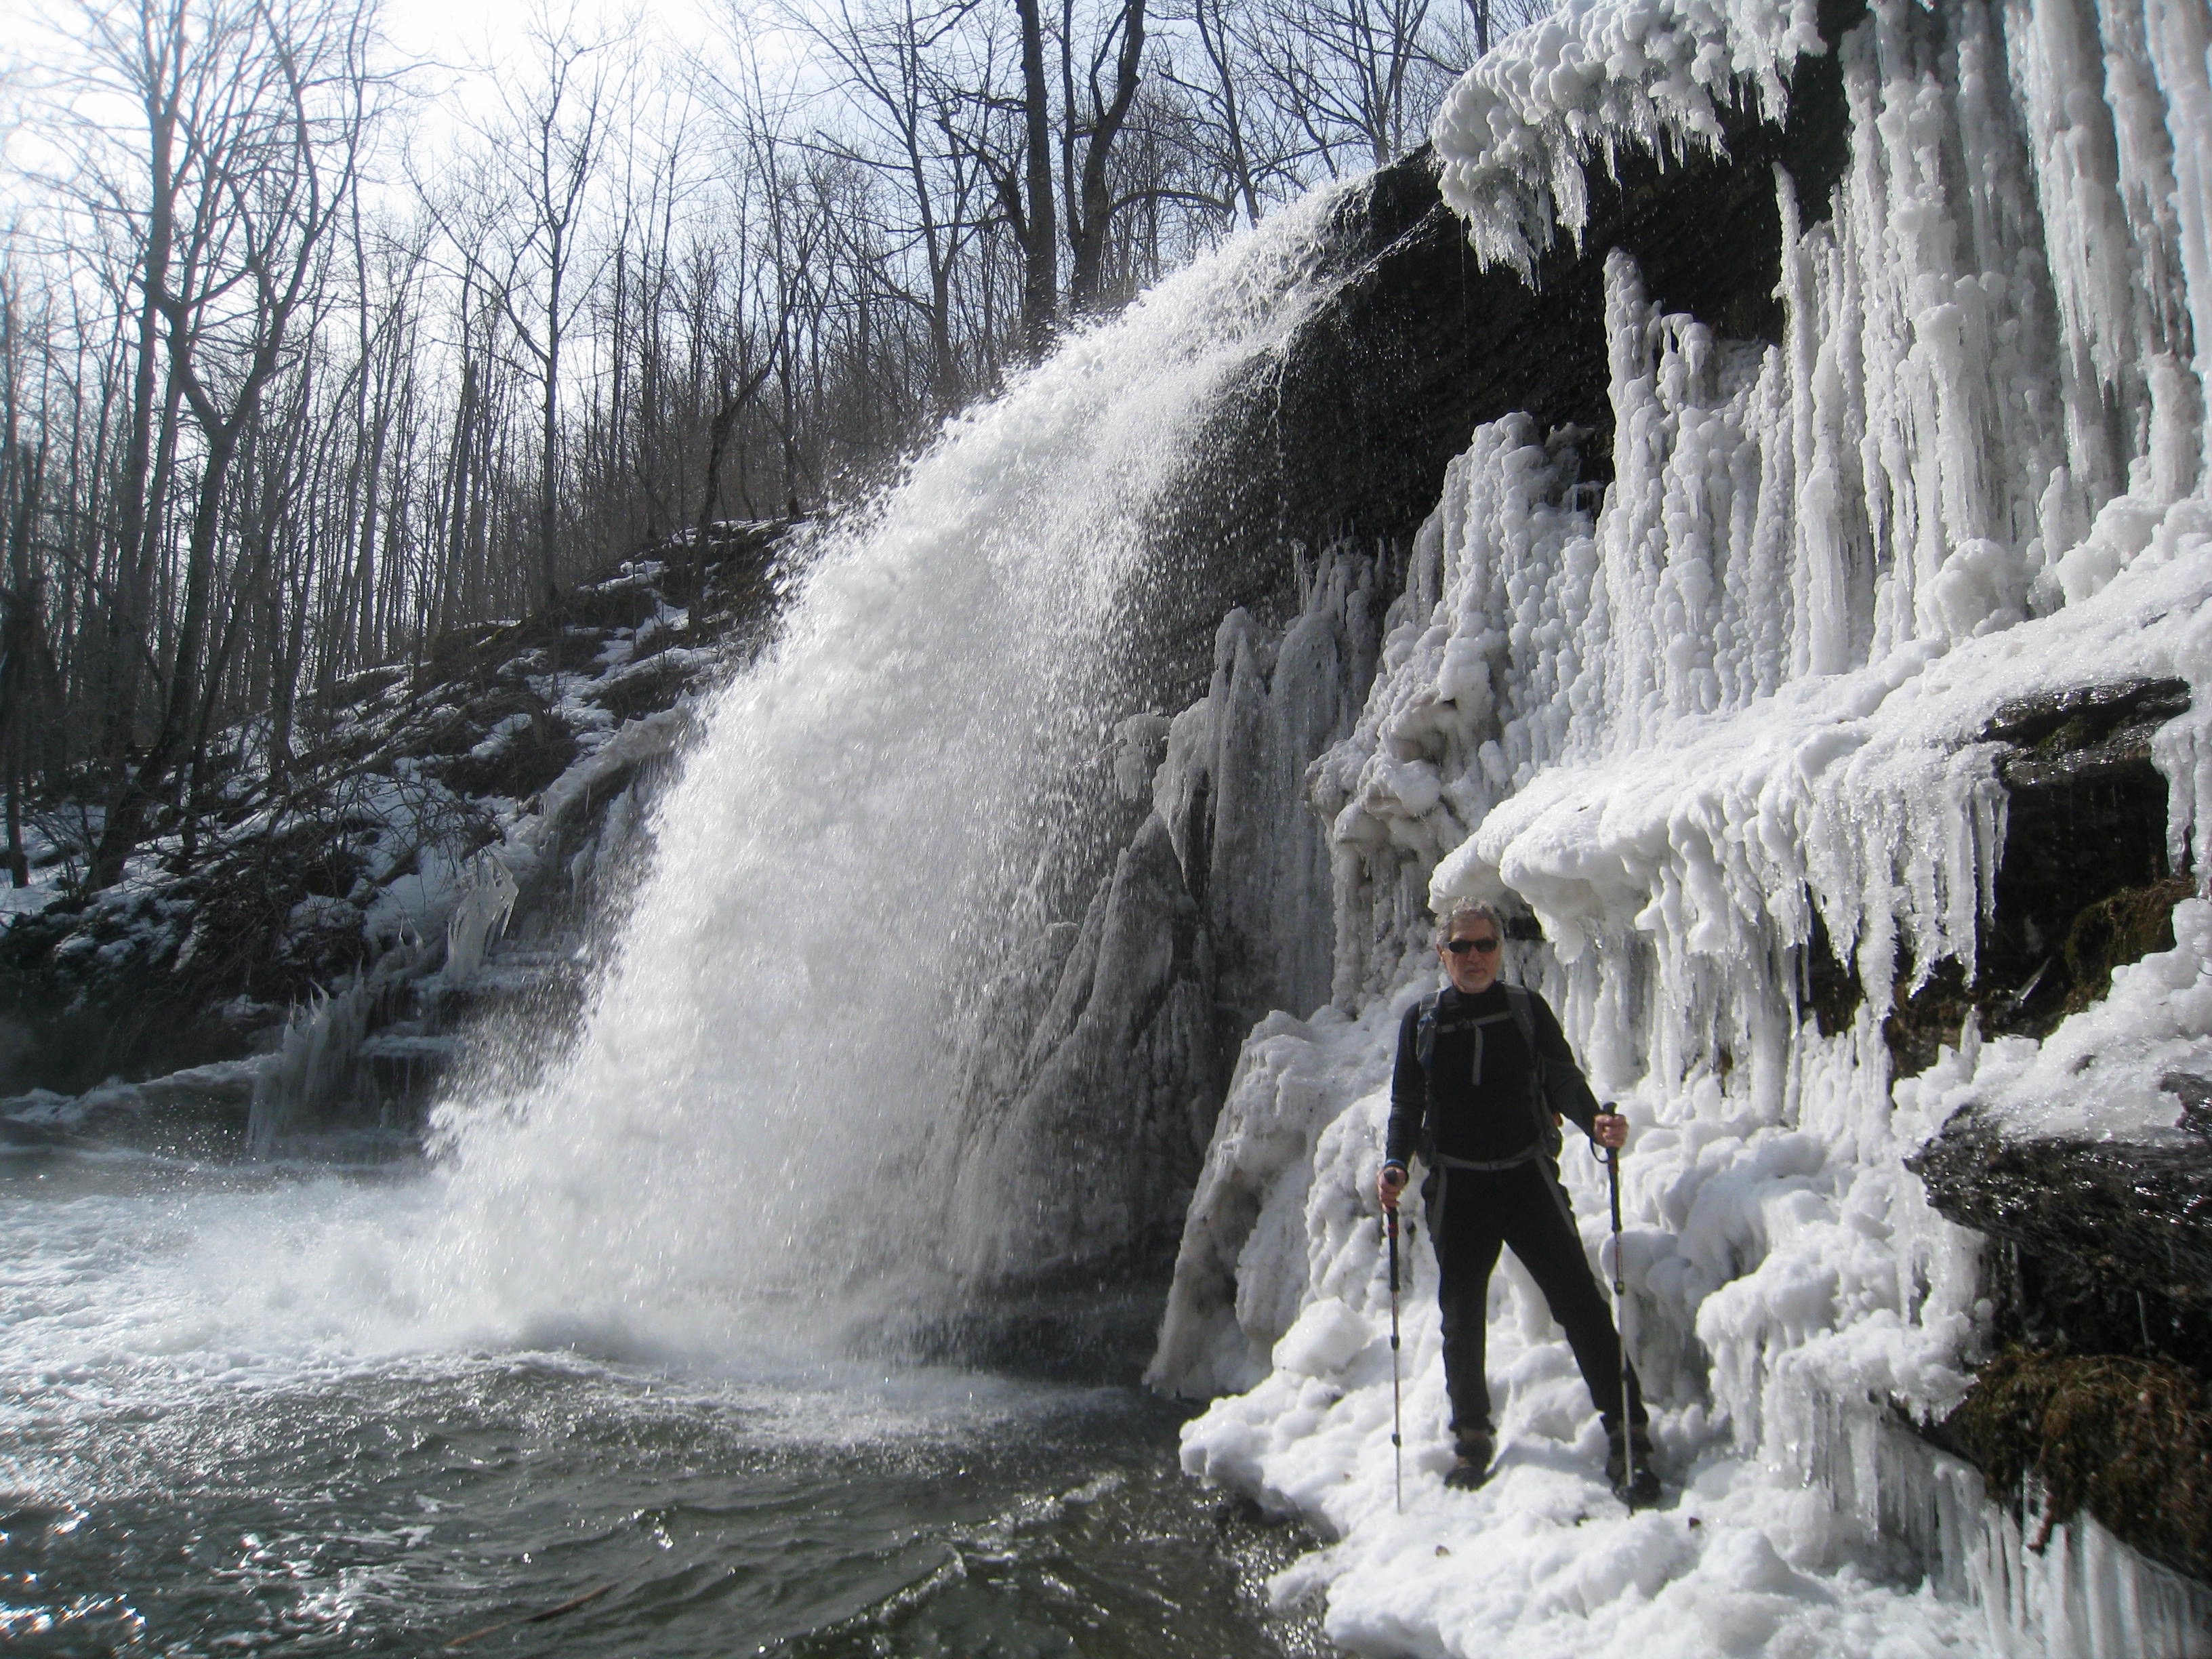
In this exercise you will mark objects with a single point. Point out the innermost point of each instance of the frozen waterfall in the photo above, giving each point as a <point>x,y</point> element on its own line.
<point>1724,726</point>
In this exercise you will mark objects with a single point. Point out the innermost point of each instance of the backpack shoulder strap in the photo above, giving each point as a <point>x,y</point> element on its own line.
<point>1518,1001</point>
<point>1425,1032</point>
<point>1524,1020</point>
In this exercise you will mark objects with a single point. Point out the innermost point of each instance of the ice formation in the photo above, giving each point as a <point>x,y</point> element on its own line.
<point>1731,717</point>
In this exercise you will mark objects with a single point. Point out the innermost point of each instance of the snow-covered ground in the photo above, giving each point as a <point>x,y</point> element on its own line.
<point>1746,697</point>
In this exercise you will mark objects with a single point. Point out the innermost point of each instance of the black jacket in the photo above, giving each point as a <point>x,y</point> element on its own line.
<point>1483,1097</point>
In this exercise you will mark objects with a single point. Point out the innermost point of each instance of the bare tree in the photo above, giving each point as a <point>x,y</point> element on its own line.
<point>250,161</point>
<point>263,429</point>
<point>1094,115</point>
<point>556,128</point>
<point>27,667</point>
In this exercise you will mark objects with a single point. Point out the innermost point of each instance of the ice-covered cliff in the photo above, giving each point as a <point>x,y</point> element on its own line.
<point>1730,733</point>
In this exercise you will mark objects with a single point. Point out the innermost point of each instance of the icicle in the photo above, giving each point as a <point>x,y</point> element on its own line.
<point>312,1067</point>
<point>488,893</point>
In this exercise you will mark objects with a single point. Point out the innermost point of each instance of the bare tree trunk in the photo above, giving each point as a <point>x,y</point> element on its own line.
<point>1039,227</point>
<point>1093,218</point>
<point>268,206</point>
<point>156,59</point>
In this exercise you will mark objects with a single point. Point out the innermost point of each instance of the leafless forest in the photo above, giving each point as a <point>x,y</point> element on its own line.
<point>304,362</point>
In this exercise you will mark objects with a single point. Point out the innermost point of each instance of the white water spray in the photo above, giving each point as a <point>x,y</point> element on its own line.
<point>763,1064</point>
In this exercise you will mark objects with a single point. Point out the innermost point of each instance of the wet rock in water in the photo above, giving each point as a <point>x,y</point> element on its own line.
<point>2195,1093</point>
<point>200,1110</point>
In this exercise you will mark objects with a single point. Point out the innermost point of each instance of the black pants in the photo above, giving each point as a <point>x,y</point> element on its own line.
<point>1472,1212</point>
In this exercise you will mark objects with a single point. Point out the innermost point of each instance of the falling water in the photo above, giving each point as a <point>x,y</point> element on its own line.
<point>856,845</point>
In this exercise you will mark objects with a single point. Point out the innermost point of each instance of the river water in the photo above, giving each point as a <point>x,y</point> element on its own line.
<point>217,1439</point>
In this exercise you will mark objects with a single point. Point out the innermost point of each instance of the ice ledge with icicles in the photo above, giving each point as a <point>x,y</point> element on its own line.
<point>1517,133</point>
<point>1868,796</point>
<point>1798,1300</point>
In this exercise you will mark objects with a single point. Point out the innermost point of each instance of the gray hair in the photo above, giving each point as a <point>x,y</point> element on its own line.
<point>1467,909</point>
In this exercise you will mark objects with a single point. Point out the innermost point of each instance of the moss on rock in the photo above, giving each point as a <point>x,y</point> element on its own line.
<point>2128,1440</point>
<point>2122,927</point>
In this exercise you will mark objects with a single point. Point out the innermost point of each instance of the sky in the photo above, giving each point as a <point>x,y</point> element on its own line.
<point>472,33</point>
<point>457,41</point>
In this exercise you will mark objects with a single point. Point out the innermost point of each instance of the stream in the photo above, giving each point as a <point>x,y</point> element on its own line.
<point>207,1448</point>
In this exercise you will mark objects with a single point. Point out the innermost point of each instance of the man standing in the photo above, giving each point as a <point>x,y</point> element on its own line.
<point>1484,1075</point>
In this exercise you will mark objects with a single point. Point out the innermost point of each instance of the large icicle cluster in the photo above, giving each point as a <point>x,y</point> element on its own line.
<point>1595,78</point>
<point>1727,722</point>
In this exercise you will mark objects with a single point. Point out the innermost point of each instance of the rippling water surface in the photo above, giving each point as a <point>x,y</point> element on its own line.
<point>201,1453</point>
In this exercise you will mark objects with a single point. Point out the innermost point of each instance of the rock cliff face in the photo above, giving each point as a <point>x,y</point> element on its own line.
<point>1345,436</point>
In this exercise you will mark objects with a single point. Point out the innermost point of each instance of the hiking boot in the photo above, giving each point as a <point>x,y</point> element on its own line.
<point>1642,1490</point>
<point>1472,1468</point>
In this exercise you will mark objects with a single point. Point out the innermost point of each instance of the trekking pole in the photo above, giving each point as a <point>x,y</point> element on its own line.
<point>1620,1323</point>
<point>1397,1439</point>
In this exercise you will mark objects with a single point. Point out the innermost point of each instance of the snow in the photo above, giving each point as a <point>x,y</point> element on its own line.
<point>1731,716</point>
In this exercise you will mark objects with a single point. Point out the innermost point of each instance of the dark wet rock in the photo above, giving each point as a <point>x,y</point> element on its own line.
<point>2097,1246</point>
<point>2083,885</point>
<point>2099,1252</point>
<point>655,683</point>
<point>2195,1093</point>
<point>2083,731</point>
<point>2139,1212</point>
<point>191,1112</point>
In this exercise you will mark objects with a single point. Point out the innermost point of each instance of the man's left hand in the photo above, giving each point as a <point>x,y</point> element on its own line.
<point>1610,1130</point>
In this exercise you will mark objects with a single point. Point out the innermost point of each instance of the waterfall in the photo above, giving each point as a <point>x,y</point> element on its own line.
<point>868,832</point>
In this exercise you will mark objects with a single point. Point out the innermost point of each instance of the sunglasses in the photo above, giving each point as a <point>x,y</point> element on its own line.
<point>1460,947</point>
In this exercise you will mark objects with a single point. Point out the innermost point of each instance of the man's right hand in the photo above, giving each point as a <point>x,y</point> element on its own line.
<point>1389,1184</point>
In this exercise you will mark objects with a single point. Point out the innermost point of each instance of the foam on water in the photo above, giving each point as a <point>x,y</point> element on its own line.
<point>152,1288</point>
<point>203,1449</point>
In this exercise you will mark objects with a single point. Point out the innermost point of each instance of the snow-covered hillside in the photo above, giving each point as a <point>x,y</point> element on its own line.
<point>1734,717</point>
